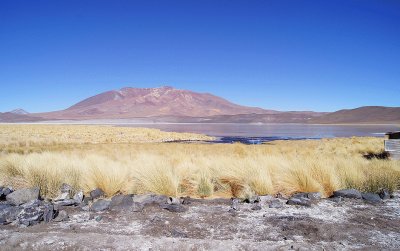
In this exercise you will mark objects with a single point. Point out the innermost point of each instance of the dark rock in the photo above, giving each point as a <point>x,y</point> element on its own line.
<point>185,200</point>
<point>96,193</point>
<point>100,205</point>
<point>9,213</point>
<point>348,193</point>
<point>78,197</point>
<point>146,199</point>
<point>372,198</point>
<point>178,234</point>
<point>312,196</point>
<point>22,196</point>
<point>275,204</point>
<point>62,216</point>
<point>252,200</point>
<point>65,188</point>
<point>49,212</point>
<point>33,212</point>
<point>299,201</point>
<point>4,191</point>
<point>86,200</point>
<point>174,208</point>
<point>384,194</point>
<point>69,202</point>
<point>121,202</point>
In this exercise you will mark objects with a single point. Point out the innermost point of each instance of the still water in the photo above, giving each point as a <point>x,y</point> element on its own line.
<point>283,131</point>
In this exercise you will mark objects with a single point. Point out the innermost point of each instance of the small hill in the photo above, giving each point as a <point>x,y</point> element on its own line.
<point>365,114</point>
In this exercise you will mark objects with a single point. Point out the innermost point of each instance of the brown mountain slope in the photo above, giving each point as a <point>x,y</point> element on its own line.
<point>14,117</point>
<point>151,102</point>
<point>365,114</point>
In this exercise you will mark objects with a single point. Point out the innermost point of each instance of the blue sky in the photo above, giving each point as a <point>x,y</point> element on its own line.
<point>284,55</point>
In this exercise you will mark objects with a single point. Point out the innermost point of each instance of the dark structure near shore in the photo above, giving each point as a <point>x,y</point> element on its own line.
<point>392,145</point>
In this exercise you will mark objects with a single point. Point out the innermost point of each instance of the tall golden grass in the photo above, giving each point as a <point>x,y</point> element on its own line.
<point>197,170</point>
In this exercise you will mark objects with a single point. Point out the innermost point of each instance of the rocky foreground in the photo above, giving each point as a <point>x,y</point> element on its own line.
<point>348,220</point>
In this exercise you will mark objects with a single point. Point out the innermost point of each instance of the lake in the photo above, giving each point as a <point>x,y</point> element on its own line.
<point>274,131</point>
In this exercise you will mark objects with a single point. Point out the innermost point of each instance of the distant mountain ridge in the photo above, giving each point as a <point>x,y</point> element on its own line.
<point>167,104</point>
<point>365,114</point>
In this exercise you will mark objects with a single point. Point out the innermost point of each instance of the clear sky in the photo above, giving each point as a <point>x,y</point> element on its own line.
<point>285,55</point>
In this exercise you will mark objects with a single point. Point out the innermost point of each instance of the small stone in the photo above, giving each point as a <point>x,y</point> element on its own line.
<point>98,218</point>
<point>174,208</point>
<point>62,196</point>
<point>234,204</point>
<point>299,202</point>
<point>178,234</point>
<point>372,198</point>
<point>96,193</point>
<point>100,205</point>
<point>348,193</point>
<point>62,216</point>
<point>256,207</point>
<point>22,196</point>
<point>78,197</point>
<point>69,202</point>
<point>173,201</point>
<point>4,191</point>
<point>384,194</point>
<point>275,204</point>
<point>312,196</point>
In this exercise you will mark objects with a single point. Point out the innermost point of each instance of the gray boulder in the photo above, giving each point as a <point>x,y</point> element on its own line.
<point>348,193</point>
<point>174,208</point>
<point>146,199</point>
<point>100,205</point>
<point>34,212</point>
<point>301,201</point>
<point>121,202</point>
<point>22,196</point>
<point>371,198</point>
<point>96,193</point>
<point>265,198</point>
<point>256,207</point>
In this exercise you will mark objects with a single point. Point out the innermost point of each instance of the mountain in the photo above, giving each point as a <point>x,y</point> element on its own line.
<point>19,111</point>
<point>15,117</point>
<point>166,104</point>
<point>365,114</point>
<point>151,102</point>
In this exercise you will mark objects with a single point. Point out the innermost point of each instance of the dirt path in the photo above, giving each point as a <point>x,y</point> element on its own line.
<point>329,225</point>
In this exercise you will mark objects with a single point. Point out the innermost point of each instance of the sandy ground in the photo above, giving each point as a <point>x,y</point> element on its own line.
<point>207,225</point>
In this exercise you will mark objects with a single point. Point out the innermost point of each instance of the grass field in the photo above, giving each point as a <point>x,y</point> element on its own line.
<point>129,160</point>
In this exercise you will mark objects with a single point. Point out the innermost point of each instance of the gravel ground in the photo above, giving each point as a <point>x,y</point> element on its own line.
<point>208,225</point>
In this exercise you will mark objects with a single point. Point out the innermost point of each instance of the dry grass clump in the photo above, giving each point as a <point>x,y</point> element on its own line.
<point>203,170</point>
